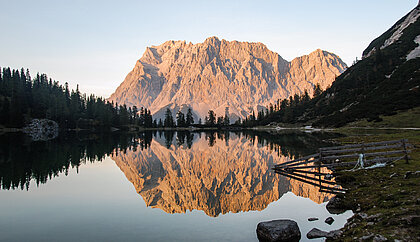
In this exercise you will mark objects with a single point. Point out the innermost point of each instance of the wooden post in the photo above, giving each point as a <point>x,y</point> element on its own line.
<point>319,168</point>
<point>363,156</point>
<point>405,151</point>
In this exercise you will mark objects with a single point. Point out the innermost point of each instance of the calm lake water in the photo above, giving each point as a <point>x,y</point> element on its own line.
<point>155,187</point>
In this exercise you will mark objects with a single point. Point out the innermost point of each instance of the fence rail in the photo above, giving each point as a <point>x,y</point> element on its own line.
<point>384,152</point>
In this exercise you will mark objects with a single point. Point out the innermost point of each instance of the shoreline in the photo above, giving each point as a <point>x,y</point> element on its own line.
<point>385,201</point>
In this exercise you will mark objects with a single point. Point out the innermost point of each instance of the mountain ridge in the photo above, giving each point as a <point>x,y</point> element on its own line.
<point>215,74</point>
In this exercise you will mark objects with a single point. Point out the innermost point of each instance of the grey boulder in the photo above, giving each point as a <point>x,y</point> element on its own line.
<point>278,230</point>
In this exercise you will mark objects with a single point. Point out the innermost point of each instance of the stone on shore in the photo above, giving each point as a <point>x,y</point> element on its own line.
<point>278,230</point>
<point>317,233</point>
<point>336,206</point>
<point>42,129</point>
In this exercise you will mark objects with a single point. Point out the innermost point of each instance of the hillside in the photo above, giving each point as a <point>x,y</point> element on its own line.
<point>385,81</point>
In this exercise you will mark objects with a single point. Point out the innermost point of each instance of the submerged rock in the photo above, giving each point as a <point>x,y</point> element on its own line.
<point>42,129</point>
<point>312,219</point>
<point>278,230</point>
<point>329,220</point>
<point>317,233</point>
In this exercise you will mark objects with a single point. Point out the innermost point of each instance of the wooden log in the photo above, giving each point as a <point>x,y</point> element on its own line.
<point>305,181</point>
<point>311,172</point>
<point>334,157</point>
<point>297,160</point>
<point>301,163</point>
<point>367,162</point>
<point>307,167</point>
<point>359,150</point>
<point>311,178</point>
<point>360,145</point>
<point>406,153</point>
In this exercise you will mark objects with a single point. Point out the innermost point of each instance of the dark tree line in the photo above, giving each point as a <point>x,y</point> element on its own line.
<point>213,121</point>
<point>182,120</point>
<point>23,98</point>
<point>284,111</point>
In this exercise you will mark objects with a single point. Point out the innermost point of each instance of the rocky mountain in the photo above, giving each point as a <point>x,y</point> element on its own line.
<point>216,176</point>
<point>217,74</point>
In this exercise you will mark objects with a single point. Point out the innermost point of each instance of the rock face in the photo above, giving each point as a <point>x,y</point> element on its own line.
<point>216,179</point>
<point>278,230</point>
<point>216,74</point>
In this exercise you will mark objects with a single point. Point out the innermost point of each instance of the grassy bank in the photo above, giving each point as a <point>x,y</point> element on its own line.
<point>405,119</point>
<point>386,201</point>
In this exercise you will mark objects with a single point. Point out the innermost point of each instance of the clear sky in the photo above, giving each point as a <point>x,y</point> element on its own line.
<point>96,43</point>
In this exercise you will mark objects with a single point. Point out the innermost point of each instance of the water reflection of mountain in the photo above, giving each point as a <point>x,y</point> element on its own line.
<point>216,173</point>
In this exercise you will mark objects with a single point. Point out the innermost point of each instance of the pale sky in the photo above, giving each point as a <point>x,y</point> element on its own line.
<point>96,43</point>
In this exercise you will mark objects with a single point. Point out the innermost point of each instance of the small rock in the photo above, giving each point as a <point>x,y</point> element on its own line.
<point>329,220</point>
<point>393,175</point>
<point>316,233</point>
<point>278,230</point>
<point>367,237</point>
<point>363,215</point>
<point>370,223</point>
<point>411,174</point>
<point>334,234</point>
<point>336,206</point>
<point>312,219</point>
<point>379,238</point>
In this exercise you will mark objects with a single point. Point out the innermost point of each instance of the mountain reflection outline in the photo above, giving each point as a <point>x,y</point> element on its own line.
<point>214,176</point>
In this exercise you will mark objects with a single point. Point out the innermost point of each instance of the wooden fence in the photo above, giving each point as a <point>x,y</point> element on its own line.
<point>315,169</point>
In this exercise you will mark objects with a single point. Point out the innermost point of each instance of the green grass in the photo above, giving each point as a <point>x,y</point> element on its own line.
<point>384,191</point>
<point>404,119</point>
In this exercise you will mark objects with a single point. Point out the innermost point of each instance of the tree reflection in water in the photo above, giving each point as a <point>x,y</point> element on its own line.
<point>231,173</point>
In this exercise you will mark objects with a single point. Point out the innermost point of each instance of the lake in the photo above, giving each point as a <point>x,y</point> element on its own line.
<point>156,186</point>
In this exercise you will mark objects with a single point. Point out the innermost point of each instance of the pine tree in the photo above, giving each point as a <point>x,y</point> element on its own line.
<point>189,119</point>
<point>226,120</point>
<point>169,120</point>
<point>211,119</point>
<point>180,119</point>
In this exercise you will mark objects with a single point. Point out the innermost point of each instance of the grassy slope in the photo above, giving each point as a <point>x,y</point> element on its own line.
<point>404,119</point>
<point>395,200</point>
